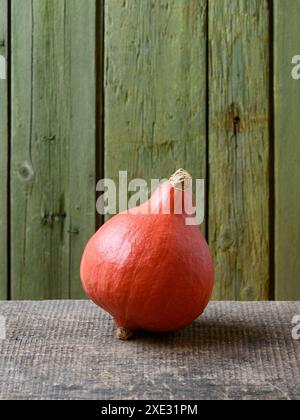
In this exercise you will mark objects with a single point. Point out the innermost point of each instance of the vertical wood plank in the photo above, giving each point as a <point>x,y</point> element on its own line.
<point>239,147</point>
<point>3,155</point>
<point>287,150</point>
<point>53,145</point>
<point>155,87</point>
<point>82,143</point>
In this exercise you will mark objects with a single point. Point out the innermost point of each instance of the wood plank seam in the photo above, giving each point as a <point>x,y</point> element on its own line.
<point>4,150</point>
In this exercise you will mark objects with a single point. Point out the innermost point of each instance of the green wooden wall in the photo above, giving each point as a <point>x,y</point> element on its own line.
<point>147,86</point>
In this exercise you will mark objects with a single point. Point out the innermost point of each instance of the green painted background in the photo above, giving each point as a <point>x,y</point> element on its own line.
<point>148,86</point>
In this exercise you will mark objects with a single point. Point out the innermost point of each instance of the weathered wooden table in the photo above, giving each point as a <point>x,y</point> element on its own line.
<point>68,350</point>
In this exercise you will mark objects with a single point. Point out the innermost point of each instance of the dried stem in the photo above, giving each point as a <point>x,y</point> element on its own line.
<point>181,180</point>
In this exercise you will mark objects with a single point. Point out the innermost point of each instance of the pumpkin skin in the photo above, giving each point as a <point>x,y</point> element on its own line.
<point>149,271</point>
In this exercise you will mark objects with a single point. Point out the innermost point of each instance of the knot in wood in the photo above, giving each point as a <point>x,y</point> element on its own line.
<point>25,171</point>
<point>235,121</point>
<point>48,218</point>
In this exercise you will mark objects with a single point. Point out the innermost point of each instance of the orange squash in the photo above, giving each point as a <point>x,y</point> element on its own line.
<point>150,270</point>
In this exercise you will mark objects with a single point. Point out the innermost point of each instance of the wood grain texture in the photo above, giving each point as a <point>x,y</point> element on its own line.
<point>53,145</point>
<point>68,350</point>
<point>239,147</point>
<point>155,88</point>
<point>287,150</point>
<point>3,156</point>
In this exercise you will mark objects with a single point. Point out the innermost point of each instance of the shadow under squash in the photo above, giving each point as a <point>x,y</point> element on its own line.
<point>221,334</point>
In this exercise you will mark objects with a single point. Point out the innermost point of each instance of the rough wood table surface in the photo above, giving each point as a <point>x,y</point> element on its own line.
<point>68,350</point>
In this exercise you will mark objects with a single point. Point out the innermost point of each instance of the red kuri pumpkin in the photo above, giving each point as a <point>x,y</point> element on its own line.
<point>150,270</point>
